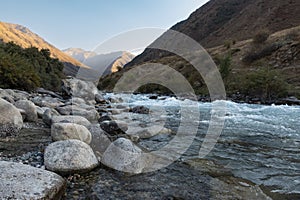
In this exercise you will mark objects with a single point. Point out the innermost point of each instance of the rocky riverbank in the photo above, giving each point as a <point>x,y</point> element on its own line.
<point>92,147</point>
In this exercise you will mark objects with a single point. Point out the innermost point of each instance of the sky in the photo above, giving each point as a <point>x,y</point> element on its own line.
<point>86,23</point>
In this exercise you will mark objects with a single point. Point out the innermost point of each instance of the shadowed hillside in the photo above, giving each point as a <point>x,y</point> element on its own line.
<point>219,21</point>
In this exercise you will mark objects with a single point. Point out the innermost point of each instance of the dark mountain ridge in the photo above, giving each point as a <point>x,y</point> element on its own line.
<point>219,21</point>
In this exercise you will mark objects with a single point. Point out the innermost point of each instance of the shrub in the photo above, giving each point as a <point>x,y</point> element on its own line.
<point>227,44</point>
<point>28,68</point>
<point>261,37</point>
<point>261,53</point>
<point>224,65</point>
<point>265,83</point>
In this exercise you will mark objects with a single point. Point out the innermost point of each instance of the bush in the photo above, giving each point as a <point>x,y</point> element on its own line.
<point>16,73</point>
<point>261,37</point>
<point>227,44</point>
<point>224,66</point>
<point>29,68</point>
<point>261,53</point>
<point>265,83</point>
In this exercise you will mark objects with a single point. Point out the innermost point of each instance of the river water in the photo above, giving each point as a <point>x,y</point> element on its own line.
<point>258,143</point>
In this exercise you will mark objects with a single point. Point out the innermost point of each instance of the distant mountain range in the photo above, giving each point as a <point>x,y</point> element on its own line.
<point>25,38</point>
<point>103,63</point>
<point>79,54</point>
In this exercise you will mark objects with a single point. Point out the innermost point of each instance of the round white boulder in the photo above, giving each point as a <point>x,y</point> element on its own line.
<point>70,156</point>
<point>66,131</point>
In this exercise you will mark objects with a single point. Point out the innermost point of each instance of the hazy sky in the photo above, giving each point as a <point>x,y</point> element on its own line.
<point>86,23</point>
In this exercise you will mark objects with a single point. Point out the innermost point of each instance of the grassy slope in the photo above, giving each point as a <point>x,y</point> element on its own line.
<point>25,38</point>
<point>285,60</point>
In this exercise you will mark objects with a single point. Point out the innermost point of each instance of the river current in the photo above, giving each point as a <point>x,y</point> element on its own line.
<point>258,143</point>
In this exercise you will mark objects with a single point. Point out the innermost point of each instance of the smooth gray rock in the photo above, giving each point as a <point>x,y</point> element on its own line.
<point>53,94</point>
<point>85,111</point>
<point>115,99</point>
<point>71,119</point>
<point>29,108</point>
<point>20,181</point>
<point>140,110</point>
<point>77,101</point>
<point>78,88</point>
<point>11,120</point>
<point>7,95</point>
<point>100,99</point>
<point>123,155</point>
<point>114,127</point>
<point>70,156</point>
<point>48,115</point>
<point>40,111</point>
<point>66,131</point>
<point>144,133</point>
<point>47,102</point>
<point>100,141</point>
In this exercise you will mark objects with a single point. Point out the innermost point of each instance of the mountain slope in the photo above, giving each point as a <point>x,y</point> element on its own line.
<point>219,21</point>
<point>25,38</point>
<point>261,73</point>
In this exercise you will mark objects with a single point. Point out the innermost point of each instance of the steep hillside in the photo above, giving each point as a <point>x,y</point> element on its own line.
<point>25,38</point>
<point>220,21</point>
<point>253,72</point>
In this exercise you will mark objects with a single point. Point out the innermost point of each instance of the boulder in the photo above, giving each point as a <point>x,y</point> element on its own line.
<point>77,101</point>
<point>40,111</point>
<point>115,99</point>
<point>144,133</point>
<point>105,118</point>
<point>85,111</point>
<point>123,155</point>
<point>47,92</point>
<point>115,111</point>
<point>20,181</point>
<point>70,156</point>
<point>47,102</point>
<point>11,120</point>
<point>153,97</point>
<point>66,131</point>
<point>48,115</point>
<point>100,141</point>
<point>100,99</point>
<point>140,110</point>
<point>7,95</point>
<point>71,119</point>
<point>78,88</point>
<point>114,127</point>
<point>20,95</point>
<point>9,99</point>
<point>91,115</point>
<point>29,108</point>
